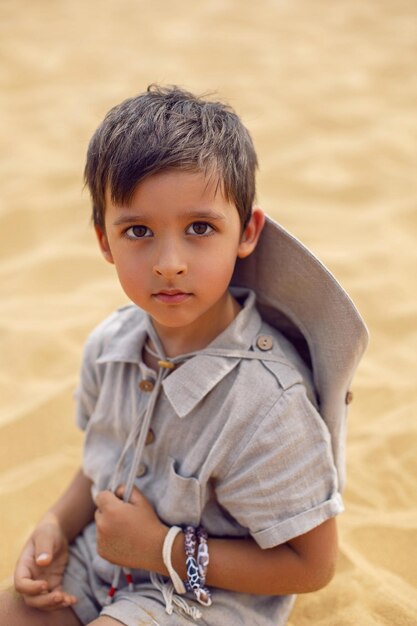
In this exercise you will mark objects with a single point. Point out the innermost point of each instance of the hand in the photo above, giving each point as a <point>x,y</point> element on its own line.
<point>39,570</point>
<point>129,534</point>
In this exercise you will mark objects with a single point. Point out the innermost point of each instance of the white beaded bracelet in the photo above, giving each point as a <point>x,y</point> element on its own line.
<point>166,557</point>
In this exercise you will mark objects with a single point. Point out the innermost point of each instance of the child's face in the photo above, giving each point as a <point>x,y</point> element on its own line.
<point>175,247</point>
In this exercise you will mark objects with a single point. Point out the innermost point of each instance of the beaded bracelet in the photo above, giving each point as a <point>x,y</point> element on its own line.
<point>202,554</point>
<point>197,569</point>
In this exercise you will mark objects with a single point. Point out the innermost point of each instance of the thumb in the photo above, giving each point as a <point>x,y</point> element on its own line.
<point>43,551</point>
<point>46,542</point>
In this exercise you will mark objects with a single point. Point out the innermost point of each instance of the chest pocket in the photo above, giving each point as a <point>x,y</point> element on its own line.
<point>179,502</point>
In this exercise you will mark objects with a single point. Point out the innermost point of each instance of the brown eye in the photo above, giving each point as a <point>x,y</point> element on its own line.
<point>200,228</point>
<point>138,232</point>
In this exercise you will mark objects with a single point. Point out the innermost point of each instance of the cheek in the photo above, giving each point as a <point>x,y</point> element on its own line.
<point>130,265</point>
<point>133,280</point>
<point>219,268</point>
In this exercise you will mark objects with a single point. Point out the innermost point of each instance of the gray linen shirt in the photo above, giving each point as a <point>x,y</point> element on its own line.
<point>236,445</point>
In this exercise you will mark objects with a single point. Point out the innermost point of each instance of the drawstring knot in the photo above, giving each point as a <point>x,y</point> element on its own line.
<point>172,600</point>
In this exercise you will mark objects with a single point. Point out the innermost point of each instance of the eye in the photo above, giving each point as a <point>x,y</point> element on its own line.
<point>200,228</point>
<point>138,232</point>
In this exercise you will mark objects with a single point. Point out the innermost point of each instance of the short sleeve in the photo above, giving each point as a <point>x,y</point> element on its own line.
<point>284,482</point>
<point>87,391</point>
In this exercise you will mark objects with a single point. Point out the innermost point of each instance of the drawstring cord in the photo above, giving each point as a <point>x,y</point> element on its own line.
<point>144,427</point>
<point>167,589</point>
<point>171,598</point>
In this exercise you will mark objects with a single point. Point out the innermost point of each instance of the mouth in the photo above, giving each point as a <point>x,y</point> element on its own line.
<point>171,296</point>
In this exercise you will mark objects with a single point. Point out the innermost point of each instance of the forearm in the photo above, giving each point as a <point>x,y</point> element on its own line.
<point>240,565</point>
<point>302,565</point>
<point>130,534</point>
<point>75,508</point>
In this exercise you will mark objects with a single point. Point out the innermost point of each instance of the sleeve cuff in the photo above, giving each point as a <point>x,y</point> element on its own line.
<point>300,524</point>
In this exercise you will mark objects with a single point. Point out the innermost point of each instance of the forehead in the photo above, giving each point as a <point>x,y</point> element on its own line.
<point>174,188</point>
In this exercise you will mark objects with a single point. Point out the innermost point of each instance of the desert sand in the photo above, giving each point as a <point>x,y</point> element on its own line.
<point>329,91</point>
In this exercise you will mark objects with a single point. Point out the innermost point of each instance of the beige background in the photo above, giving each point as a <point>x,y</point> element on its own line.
<point>328,89</point>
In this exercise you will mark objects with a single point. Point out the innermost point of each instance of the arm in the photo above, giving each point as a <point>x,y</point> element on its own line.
<point>303,564</point>
<point>39,570</point>
<point>74,509</point>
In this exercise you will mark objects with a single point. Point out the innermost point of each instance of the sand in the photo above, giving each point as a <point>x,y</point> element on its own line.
<point>329,92</point>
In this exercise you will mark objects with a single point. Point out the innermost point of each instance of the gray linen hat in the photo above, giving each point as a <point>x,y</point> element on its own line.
<point>297,295</point>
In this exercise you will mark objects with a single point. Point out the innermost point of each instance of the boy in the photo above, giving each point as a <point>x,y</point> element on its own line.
<point>196,410</point>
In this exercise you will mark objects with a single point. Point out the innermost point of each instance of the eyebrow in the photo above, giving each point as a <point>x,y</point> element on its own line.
<point>128,219</point>
<point>202,214</point>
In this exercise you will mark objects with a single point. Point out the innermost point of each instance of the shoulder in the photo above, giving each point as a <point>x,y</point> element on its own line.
<point>113,330</point>
<point>280,364</point>
<point>123,317</point>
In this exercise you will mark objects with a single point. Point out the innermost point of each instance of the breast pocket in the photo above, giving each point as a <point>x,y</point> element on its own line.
<point>180,499</point>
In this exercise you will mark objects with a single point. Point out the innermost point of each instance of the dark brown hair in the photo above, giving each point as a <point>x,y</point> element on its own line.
<point>166,128</point>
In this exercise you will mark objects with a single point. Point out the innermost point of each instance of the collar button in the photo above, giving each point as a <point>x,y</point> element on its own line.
<point>264,342</point>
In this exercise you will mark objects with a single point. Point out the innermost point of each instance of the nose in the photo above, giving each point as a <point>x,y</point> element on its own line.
<point>170,262</point>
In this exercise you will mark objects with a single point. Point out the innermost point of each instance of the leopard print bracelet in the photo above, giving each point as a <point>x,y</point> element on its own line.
<point>197,568</point>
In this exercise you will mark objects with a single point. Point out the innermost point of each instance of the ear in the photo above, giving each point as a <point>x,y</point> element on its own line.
<point>103,243</point>
<point>251,233</point>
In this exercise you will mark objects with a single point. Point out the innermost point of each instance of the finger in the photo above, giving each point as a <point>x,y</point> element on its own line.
<point>120,491</point>
<point>46,600</point>
<point>122,494</point>
<point>44,550</point>
<point>23,570</point>
<point>104,499</point>
<point>43,559</point>
<point>51,601</point>
<point>136,497</point>
<point>69,599</point>
<point>29,587</point>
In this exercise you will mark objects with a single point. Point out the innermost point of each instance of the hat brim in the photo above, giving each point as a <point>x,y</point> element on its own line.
<point>298,295</point>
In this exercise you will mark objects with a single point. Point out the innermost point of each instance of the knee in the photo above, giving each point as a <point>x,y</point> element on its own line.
<point>12,608</point>
<point>14,612</point>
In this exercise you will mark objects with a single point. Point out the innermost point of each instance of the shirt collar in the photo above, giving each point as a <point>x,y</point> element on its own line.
<point>127,336</point>
<point>186,386</point>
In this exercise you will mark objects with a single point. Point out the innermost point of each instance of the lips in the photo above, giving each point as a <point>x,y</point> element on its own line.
<point>171,296</point>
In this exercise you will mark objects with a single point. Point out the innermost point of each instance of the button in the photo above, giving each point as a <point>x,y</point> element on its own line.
<point>150,437</point>
<point>349,397</point>
<point>146,384</point>
<point>264,342</point>
<point>142,470</point>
